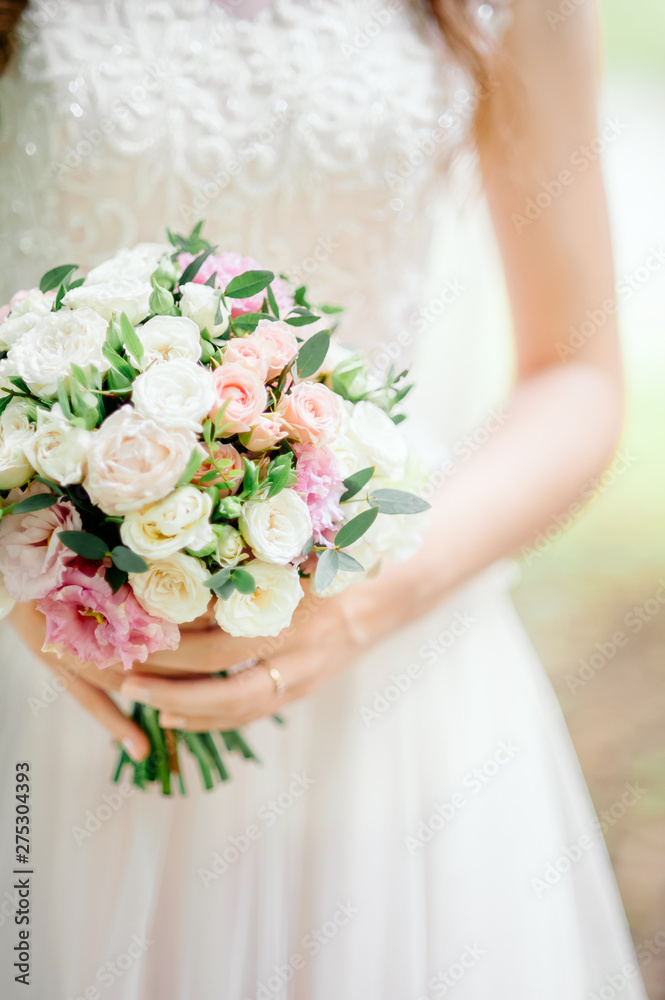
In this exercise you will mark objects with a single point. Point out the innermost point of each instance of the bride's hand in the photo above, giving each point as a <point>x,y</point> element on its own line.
<point>325,637</point>
<point>84,681</point>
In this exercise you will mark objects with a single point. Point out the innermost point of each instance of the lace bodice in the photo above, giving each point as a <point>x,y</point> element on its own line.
<point>311,137</point>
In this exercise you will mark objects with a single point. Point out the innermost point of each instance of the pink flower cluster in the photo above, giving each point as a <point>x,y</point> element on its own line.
<point>83,615</point>
<point>320,485</point>
<point>226,266</point>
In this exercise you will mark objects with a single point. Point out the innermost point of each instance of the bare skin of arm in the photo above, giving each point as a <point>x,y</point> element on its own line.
<point>565,418</point>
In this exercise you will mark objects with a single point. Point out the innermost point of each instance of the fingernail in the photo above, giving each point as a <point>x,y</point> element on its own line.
<point>131,748</point>
<point>132,690</point>
<point>172,721</point>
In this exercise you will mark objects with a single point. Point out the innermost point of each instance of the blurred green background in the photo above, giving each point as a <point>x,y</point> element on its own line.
<point>584,587</point>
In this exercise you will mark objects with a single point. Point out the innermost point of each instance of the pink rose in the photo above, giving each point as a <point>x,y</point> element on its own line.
<point>266,432</point>
<point>134,461</point>
<point>4,312</point>
<point>231,474</point>
<point>85,617</point>
<point>312,413</point>
<point>280,341</point>
<point>229,265</point>
<point>249,351</point>
<point>246,395</point>
<point>33,560</point>
<point>320,484</point>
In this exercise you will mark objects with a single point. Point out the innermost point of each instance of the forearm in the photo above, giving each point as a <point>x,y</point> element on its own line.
<point>562,427</point>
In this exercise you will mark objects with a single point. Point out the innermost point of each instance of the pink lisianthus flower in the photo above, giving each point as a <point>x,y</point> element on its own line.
<point>320,486</point>
<point>229,265</point>
<point>85,617</point>
<point>33,560</point>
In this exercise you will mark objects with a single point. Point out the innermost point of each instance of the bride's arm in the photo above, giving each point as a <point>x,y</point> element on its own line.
<point>565,416</point>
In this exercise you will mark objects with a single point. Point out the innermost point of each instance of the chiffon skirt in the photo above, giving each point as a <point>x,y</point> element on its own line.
<point>418,828</point>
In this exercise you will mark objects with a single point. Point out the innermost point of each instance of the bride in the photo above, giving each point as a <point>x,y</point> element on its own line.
<point>420,826</point>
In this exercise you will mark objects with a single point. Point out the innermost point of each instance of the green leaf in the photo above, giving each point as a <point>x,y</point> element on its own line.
<point>243,581</point>
<point>115,577</point>
<point>273,302</point>
<point>37,502</point>
<point>245,285</point>
<point>19,384</point>
<point>195,461</point>
<point>117,382</point>
<point>312,354</point>
<point>326,569</point>
<point>194,267</point>
<point>119,363</point>
<point>113,338</point>
<point>398,502</point>
<point>79,375</point>
<point>84,544</point>
<point>54,488</point>
<point>331,310</point>
<point>4,403</point>
<point>210,282</point>
<point>398,418</point>
<point>251,478</point>
<point>304,320</point>
<point>348,564</point>
<point>248,322</point>
<point>128,561</point>
<point>218,578</point>
<point>356,527</point>
<point>56,276</point>
<point>355,482</point>
<point>129,338</point>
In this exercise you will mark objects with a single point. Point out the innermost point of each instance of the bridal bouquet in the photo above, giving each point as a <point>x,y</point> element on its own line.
<point>177,428</point>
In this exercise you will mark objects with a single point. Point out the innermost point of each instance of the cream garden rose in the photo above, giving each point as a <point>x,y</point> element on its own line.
<point>173,588</point>
<point>278,529</point>
<point>134,461</point>
<point>250,352</point>
<point>45,354</point>
<point>16,432</point>
<point>179,521</point>
<point>200,303</point>
<point>57,449</point>
<point>175,393</point>
<point>230,544</point>
<point>165,338</point>
<point>245,396</point>
<point>25,309</point>
<point>311,412</point>
<point>279,340</point>
<point>266,611</point>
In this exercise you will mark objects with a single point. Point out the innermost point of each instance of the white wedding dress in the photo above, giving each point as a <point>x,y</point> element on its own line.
<point>420,826</point>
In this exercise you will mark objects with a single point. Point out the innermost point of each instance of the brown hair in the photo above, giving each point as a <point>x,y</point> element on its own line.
<point>459,27</point>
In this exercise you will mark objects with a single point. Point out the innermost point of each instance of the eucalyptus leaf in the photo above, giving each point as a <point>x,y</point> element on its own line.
<point>304,320</point>
<point>243,581</point>
<point>355,482</point>
<point>244,286</point>
<point>56,276</point>
<point>84,544</point>
<point>356,527</point>
<point>391,501</point>
<point>194,267</point>
<point>39,501</point>
<point>326,569</point>
<point>218,578</point>
<point>128,561</point>
<point>348,564</point>
<point>115,577</point>
<point>312,354</point>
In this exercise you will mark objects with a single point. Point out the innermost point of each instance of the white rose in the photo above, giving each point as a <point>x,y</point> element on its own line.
<point>122,293</point>
<point>58,450</point>
<point>372,430</point>
<point>177,393</point>
<point>269,609</point>
<point>24,313</point>
<point>45,354</point>
<point>179,521</point>
<point>6,369</point>
<point>15,434</point>
<point>137,262</point>
<point>173,588</point>
<point>167,337</point>
<point>133,461</point>
<point>277,529</point>
<point>6,602</point>
<point>199,302</point>
<point>230,545</point>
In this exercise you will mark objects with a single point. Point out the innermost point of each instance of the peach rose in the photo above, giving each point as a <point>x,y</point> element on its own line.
<point>280,342</point>
<point>251,352</point>
<point>311,412</point>
<point>243,391</point>
<point>266,432</point>
<point>232,474</point>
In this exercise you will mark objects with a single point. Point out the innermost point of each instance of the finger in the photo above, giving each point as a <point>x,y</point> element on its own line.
<point>226,697</point>
<point>105,710</point>
<point>206,651</point>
